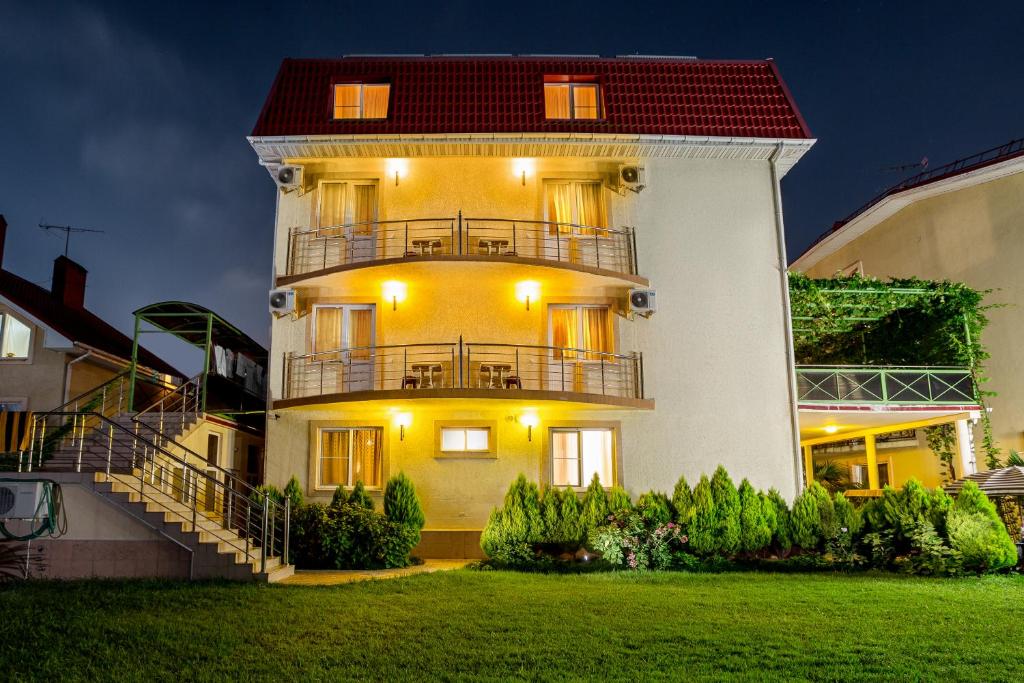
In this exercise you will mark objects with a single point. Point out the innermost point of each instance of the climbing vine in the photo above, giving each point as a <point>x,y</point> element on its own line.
<point>859,320</point>
<point>942,440</point>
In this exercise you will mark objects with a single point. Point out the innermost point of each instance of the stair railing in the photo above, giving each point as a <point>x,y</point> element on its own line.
<point>206,498</point>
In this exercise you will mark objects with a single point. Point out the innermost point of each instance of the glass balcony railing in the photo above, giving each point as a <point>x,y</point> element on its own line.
<point>464,365</point>
<point>830,385</point>
<point>313,250</point>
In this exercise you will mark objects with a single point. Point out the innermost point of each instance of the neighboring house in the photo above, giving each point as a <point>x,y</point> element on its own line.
<point>462,237</point>
<point>53,348</point>
<point>962,222</point>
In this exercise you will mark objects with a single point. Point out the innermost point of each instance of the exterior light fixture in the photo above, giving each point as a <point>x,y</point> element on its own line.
<point>403,420</point>
<point>523,167</point>
<point>831,429</point>
<point>397,168</point>
<point>527,290</point>
<point>530,420</point>
<point>394,290</point>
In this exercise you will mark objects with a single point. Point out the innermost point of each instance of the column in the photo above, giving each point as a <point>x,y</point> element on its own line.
<point>809,464</point>
<point>869,446</point>
<point>965,449</point>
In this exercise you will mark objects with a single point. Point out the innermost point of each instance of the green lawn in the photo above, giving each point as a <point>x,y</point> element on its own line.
<point>498,625</point>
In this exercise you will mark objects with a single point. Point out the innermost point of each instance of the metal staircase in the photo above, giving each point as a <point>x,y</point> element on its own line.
<point>139,464</point>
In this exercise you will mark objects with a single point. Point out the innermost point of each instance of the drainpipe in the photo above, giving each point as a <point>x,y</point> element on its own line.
<point>787,322</point>
<point>67,375</point>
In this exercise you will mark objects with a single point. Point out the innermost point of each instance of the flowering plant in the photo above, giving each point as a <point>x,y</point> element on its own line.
<point>631,540</point>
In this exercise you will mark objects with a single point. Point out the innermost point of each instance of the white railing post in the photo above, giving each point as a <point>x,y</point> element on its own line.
<point>263,539</point>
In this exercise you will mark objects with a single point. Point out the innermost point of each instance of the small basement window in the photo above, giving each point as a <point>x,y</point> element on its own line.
<point>361,100</point>
<point>571,100</point>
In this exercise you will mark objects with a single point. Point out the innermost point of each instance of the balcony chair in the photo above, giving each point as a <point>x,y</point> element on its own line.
<point>513,382</point>
<point>410,382</point>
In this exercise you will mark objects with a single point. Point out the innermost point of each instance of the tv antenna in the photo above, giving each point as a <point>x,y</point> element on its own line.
<point>67,230</point>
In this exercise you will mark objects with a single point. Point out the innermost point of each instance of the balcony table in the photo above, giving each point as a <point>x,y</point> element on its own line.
<point>493,247</point>
<point>426,373</point>
<point>495,368</point>
<point>426,247</point>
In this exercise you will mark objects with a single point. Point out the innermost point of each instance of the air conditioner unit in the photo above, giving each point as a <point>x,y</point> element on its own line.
<point>632,177</point>
<point>641,301</point>
<point>288,177</point>
<point>282,301</point>
<point>20,500</point>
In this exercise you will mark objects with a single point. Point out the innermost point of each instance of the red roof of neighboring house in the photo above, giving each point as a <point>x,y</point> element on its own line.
<point>436,95</point>
<point>77,324</point>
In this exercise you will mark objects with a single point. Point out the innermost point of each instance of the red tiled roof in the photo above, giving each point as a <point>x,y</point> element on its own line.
<point>77,324</point>
<point>656,96</point>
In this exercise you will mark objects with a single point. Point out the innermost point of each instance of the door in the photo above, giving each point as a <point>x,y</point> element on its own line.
<point>581,336</point>
<point>347,220</point>
<point>343,341</point>
<point>576,213</point>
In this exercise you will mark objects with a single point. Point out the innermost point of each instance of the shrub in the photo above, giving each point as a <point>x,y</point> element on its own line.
<point>308,525</point>
<point>754,531</point>
<point>571,518</point>
<point>618,500</point>
<point>595,505</point>
<point>637,541</point>
<point>513,529</point>
<point>805,521</point>
<point>359,538</point>
<point>293,492</point>
<point>827,526</point>
<point>770,515</point>
<point>782,538</point>
<point>402,505</point>
<point>847,517</point>
<point>359,496</point>
<point>727,509</point>
<point>703,529</point>
<point>340,497</point>
<point>551,514</point>
<point>268,490</point>
<point>654,507</point>
<point>929,554</point>
<point>682,503</point>
<point>977,532</point>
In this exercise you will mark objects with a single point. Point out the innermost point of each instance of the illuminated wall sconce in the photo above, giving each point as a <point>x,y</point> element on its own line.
<point>831,429</point>
<point>523,167</point>
<point>394,290</point>
<point>397,168</point>
<point>403,420</point>
<point>526,291</point>
<point>529,420</point>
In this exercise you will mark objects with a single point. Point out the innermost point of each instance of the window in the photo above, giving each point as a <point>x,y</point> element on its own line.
<point>15,338</point>
<point>578,454</point>
<point>859,475</point>
<point>361,100</point>
<point>12,405</point>
<point>348,455</point>
<point>576,203</point>
<point>465,439</point>
<point>571,100</point>
<point>213,448</point>
<point>580,327</point>
<point>346,203</point>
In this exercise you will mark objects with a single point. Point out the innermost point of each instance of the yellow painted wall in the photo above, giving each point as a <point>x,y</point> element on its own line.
<point>904,464</point>
<point>973,235</point>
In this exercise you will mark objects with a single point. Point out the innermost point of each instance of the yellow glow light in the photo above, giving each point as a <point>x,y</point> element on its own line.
<point>523,168</point>
<point>403,420</point>
<point>526,291</point>
<point>831,429</point>
<point>529,420</point>
<point>394,290</point>
<point>397,168</point>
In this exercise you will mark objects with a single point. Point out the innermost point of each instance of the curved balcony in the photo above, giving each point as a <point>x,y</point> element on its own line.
<point>845,385</point>
<point>602,251</point>
<point>464,370</point>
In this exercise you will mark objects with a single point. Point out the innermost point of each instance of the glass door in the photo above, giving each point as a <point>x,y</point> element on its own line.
<point>343,341</point>
<point>580,335</point>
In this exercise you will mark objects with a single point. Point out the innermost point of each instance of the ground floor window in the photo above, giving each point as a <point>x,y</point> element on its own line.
<point>859,474</point>
<point>465,439</point>
<point>578,454</point>
<point>348,455</point>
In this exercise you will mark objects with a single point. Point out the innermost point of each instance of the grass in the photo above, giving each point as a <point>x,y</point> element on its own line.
<point>498,626</point>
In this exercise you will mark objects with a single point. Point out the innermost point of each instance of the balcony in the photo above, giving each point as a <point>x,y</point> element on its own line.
<point>846,385</point>
<point>603,251</point>
<point>464,370</point>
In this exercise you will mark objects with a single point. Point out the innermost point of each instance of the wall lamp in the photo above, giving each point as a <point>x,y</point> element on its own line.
<point>527,290</point>
<point>394,290</point>
<point>530,420</point>
<point>522,168</point>
<point>397,168</point>
<point>403,420</point>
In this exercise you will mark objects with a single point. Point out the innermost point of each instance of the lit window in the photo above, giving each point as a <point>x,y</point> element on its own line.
<point>349,455</point>
<point>15,338</point>
<point>361,100</point>
<point>572,101</point>
<point>12,405</point>
<point>465,439</point>
<point>578,454</point>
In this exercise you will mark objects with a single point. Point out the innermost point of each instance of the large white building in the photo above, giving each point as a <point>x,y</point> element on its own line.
<point>457,241</point>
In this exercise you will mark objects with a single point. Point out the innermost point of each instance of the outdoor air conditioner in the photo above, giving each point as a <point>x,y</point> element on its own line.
<point>288,177</point>
<point>632,177</point>
<point>20,499</point>
<point>282,301</point>
<point>641,301</point>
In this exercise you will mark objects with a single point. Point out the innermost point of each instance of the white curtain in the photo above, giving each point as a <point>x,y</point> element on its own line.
<point>556,100</point>
<point>332,206</point>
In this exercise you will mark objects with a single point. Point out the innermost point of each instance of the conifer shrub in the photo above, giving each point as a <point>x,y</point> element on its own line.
<point>618,500</point>
<point>293,493</point>
<point>654,507</point>
<point>977,532</point>
<point>703,528</point>
<point>847,517</point>
<point>771,517</point>
<point>595,505</point>
<point>727,511</point>
<point>754,531</point>
<point>827,527</point>
<point>359,496</point>
<point>513,529</point>
<point>805,521</point>
<point>571,518</point>
<point>340,497</point>
<point>402,505</point>
<point>551,514</point>
<point>682,503</point>
<point>782,538</point>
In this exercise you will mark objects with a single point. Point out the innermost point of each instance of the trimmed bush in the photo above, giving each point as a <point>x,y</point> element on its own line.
<point>827,527</point>
<point>293,492</point>
<point>703,528</point>
<point>618,500</point>
<point>782,538</point>
<point>595,505</point>
<point>847,517</point>
<point>654,507</point>
<point>805,521</point>
<point>340,497</point>
<point>754,531</point>
<point>513,529</point>
<point>359,538</point>
<point>359,496</point>
<point>977,532</point>
<point>571,518</point>
<point>309,524</point>
<point>682,503</point>
<point>402,505</point>
<point>727,510</point>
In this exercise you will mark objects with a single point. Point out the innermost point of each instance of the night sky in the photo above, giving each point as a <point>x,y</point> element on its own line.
<point>132,118</point>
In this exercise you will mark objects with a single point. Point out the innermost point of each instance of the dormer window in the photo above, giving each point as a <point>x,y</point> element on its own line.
<point>361,100</point>
<point>571,97</point>
<point>15,338</point>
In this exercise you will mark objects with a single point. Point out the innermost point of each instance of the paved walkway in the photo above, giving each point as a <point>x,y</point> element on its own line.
<point>334,577</point>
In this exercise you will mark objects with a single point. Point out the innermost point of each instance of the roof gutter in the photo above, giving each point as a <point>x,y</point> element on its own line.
<point>787,321</point>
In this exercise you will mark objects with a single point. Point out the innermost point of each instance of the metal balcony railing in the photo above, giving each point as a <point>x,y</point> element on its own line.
<point>464,365</point>
<point>885,385</point>
<point>312,250</point>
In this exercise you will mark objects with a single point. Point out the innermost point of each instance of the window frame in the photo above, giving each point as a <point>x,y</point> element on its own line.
<point>362,98</point>
<point>317,430</point>
<point>578,307</point>
<point>555,229</point>
<point>614,427</point>
<point>6,315</point>
<point>490,426</point>
<point>572,85</point>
